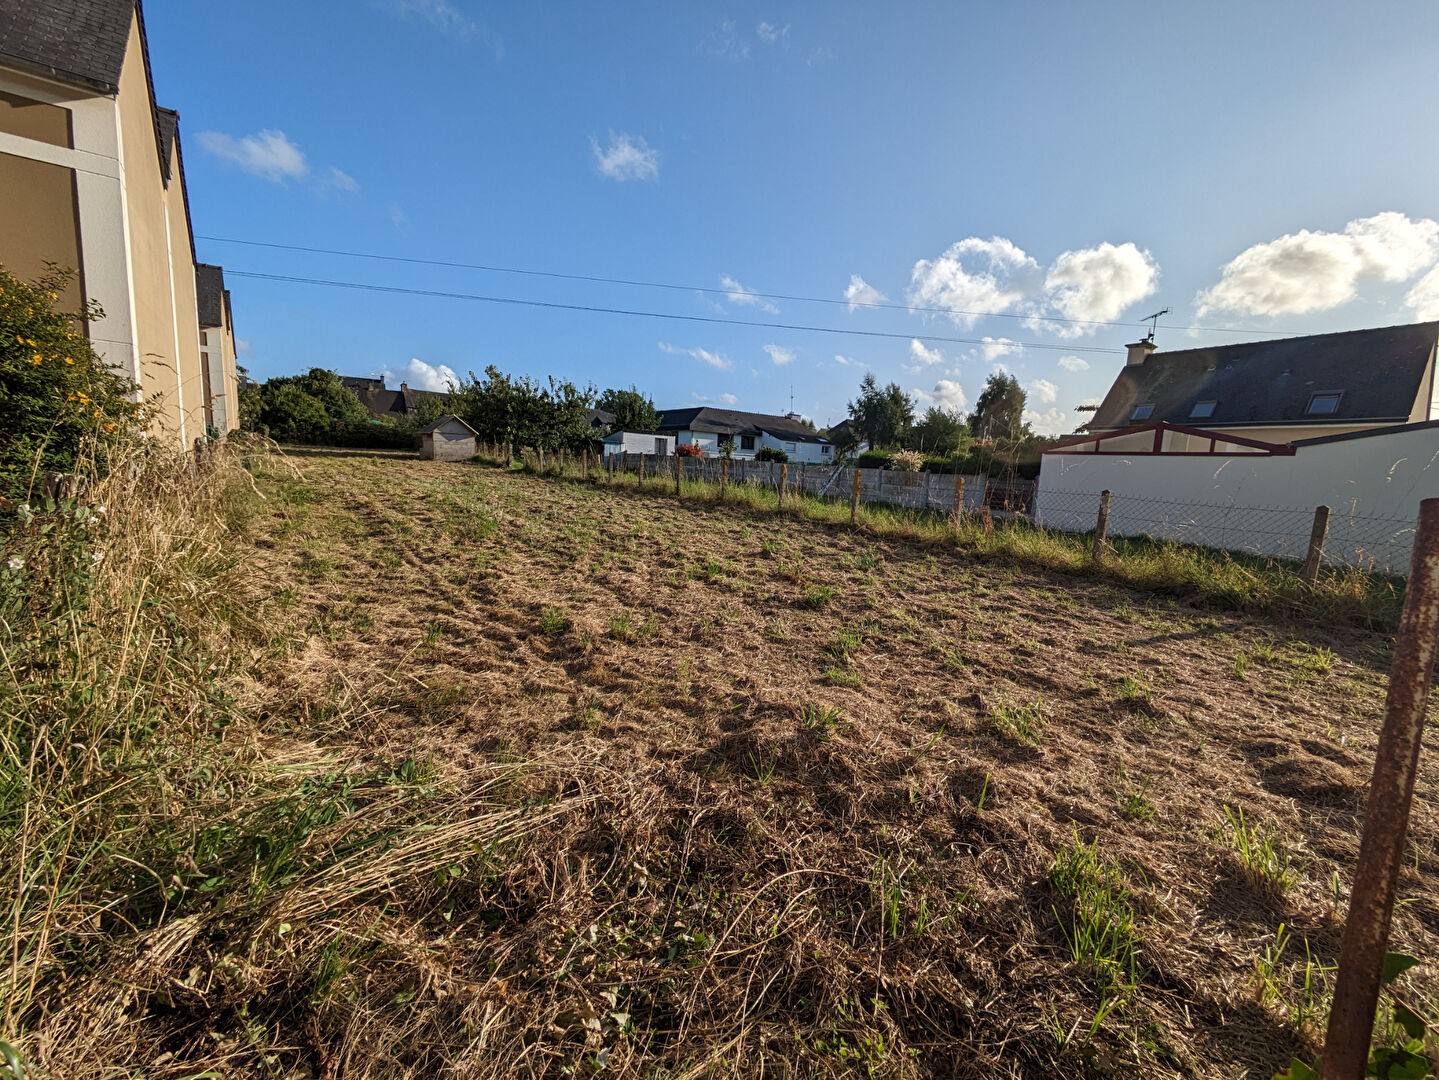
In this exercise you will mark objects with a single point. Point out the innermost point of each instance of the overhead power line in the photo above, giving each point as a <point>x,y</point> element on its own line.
<point>724,320</point>
<point>745,294</point>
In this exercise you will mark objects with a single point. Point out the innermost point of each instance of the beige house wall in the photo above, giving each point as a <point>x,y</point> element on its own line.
<point>186,304</point>
<point>40,222</point>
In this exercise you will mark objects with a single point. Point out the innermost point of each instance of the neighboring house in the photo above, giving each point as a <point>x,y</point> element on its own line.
<point>634,442</point>
<point>600,421</point>
<point>841,433</point>
<point>743,434</point>
<point>217,347</point>
<point>388,404</point>
<point>448,439</point>
<point>1279,391</point>
<point>92,178</point>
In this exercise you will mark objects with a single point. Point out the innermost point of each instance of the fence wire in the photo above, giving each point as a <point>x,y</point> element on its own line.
<point>1378,544</point>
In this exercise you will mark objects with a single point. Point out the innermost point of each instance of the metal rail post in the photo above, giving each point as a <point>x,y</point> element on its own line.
<point>1386,818</point>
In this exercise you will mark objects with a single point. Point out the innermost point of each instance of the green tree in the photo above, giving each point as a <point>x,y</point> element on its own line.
<point>881,416</point>
<point>62,405</point>
<point>998,415</point>
<point>315,407</point>
<point>632,410</point>
<point>941,432</point>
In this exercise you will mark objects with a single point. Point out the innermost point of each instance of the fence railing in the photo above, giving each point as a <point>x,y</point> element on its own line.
<point>1347,538</point>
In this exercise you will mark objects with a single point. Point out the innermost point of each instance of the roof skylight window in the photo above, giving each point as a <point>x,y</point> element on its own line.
<point>1142,412</point>
<point>1202,410</point>
<point>1324,404</point>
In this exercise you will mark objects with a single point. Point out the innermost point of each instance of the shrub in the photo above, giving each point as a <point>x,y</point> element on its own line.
<point>689,450</point>
<point>906,461</point>
<point>873,459</point>
<point>62,403</point>
<point>769,453</point>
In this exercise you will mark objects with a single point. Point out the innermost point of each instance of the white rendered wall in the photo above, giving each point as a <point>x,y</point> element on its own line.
<point>1373,487</point>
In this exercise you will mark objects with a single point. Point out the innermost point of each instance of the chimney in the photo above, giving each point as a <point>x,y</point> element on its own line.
<point>1139,352</point>
<point>404,387</point>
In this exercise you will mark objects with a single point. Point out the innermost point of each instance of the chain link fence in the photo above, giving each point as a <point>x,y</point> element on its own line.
<point>1376,544</point>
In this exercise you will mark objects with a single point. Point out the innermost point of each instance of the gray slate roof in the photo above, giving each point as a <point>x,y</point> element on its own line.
<point>1378,371</point>
<point>731,422</point>
<point>210,294</point>
<point>77,41</point>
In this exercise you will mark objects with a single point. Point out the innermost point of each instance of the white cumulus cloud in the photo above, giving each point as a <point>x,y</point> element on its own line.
<point>1073,363</point>
<point>974,277</point>
<point>418,375</point>
<point>1045,390</point>
<point>780,355</point>
<point>859,291</point>
<point>626,157</point>
<point>947,394</point>
<point>1315,271</point>
<point>1049,422</point>
<point>1098,284</point>
<point>922,356</point>
<point>704,356</point>
<point>846,361</point>
<point>994,348</point>
<point>738,294</point>
<point>268,154</point>
<point>1424,297</point>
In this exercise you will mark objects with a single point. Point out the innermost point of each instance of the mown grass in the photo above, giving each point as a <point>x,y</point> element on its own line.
<point>1227,579</point>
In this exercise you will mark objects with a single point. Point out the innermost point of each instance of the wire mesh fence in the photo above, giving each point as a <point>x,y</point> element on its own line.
<point>1371,543</point>
<point>1377,544</point>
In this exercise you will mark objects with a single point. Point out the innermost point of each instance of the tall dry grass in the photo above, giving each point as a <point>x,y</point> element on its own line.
<point>167,856</point>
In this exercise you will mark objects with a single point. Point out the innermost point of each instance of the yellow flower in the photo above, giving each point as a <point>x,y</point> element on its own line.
<point>35,359</point>
<point>69,359</point>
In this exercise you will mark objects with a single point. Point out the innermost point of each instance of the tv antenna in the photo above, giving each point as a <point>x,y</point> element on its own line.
<point>791,397</point>
<point>1153,321</point>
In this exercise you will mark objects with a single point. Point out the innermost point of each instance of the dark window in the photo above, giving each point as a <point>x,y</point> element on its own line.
<point>746,442</point>
<point>1142,412</point>
<point>824,449</point>
<point>1202,410</point>
<point>1325,404</point>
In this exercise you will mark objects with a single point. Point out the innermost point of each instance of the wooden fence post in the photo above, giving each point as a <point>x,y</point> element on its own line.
<point>928,478</point>
<point>1101,523</point>
<point>854,497</point>
<point>724,476</point>
<point>679,473</point>
<point>1310,573</point>
<point>958,508</point>
<point>783,479</point>
<point>987,519</point>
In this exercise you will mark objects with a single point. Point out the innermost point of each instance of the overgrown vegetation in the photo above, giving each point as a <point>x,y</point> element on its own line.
<point>63,408</point>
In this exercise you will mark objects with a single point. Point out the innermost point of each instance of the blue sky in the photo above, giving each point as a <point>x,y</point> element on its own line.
<point>1253,167</point>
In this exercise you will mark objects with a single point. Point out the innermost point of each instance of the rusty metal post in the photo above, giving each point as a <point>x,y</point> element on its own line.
<point>679,473</point>
<point>854,497</point>
<point>1310,573</point>
<point>1386,818</point>
<point>783,479</point>
<point>1101,523</point>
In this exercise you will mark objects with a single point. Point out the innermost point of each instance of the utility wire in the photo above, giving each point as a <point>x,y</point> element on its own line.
<point>732,293</point>
<point>369,287</point>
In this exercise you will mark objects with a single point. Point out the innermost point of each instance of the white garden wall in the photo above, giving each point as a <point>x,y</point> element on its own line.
<point>1373,486</point>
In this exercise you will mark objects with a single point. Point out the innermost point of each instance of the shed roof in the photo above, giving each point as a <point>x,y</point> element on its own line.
<point>76,41</point>
<point>448,421</point>
<point>733,422</point>
<point>1378,372</point>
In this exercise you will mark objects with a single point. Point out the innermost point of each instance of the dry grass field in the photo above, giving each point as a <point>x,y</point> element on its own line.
<point>808,801</point>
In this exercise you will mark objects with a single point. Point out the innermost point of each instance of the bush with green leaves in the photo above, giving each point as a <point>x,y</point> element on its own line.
<point>770,453</point>
<point>63,405</point>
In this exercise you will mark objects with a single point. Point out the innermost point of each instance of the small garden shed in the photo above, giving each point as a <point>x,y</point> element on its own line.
<point>448,439</point>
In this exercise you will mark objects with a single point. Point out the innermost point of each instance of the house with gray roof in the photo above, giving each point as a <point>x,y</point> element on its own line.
<point>1280,391</point>
<point>743,434</point>
<point>92,178</point>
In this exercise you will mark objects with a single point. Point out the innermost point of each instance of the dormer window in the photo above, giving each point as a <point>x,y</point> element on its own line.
<point>1142,412</point>
<point>1202,410</point>
<point>1324,404</point>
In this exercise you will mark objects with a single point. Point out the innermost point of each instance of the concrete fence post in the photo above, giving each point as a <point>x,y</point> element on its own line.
<point>783,479</point>
<point>928,482</point>
<point>854,497</point>
<point>1310,572</point>
<point>1101,523</point>
<point>958,509</point>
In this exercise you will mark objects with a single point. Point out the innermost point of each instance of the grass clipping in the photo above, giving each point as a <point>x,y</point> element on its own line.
<point>170,860</point>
